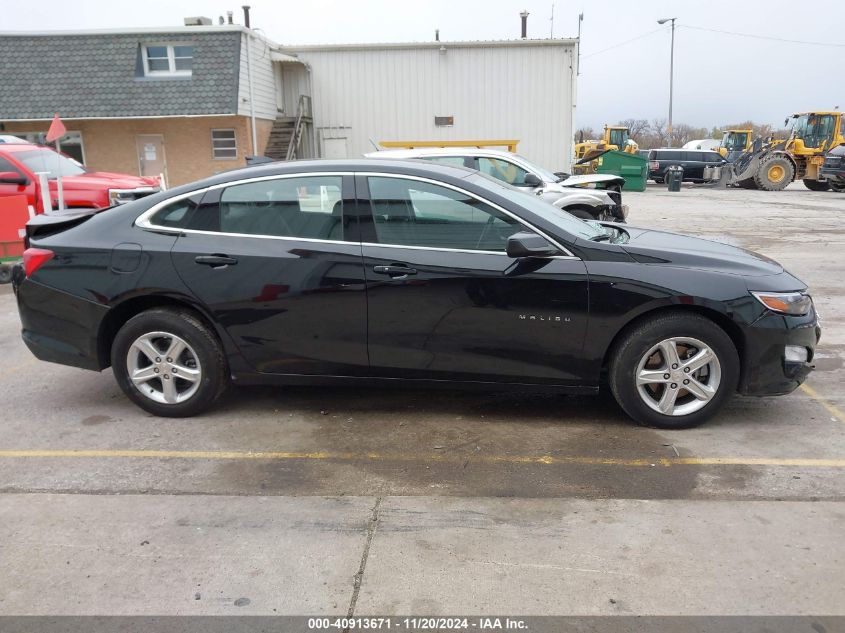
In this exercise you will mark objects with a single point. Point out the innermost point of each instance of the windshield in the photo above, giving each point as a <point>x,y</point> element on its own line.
<point>53,163</point>
<point>814,129</point>
<point>618,137</point>
<point>734,140</point>
<point>544,174</point>
<point>545,210</point>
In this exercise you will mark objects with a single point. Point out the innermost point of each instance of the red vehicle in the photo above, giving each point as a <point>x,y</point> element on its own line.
<point>20,162</point>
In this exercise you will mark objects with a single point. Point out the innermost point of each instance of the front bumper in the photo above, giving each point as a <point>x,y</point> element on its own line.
<point>836,175</point>
<point>766,372</point>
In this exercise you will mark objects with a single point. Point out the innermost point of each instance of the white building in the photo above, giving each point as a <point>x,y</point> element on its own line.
<point>194,100</point>
<point>362,94</point>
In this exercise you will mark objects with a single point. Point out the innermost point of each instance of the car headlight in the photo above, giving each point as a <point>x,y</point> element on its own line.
<point>119,196</point>
<point>794,303</point>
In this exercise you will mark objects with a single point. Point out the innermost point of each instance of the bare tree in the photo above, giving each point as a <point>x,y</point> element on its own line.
<point>636,127</point>
<point>585,133</point>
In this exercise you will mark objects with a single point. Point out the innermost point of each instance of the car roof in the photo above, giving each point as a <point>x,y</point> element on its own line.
<point>437,151</point>
<point>278,168</point>
<point>21,147</point>
<point>682,149</point>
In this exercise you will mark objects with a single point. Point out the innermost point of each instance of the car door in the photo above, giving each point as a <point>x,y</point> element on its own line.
<point>444,300</point>
<point>16,188</point>
<point>273,261</point>
<point>693,165</point>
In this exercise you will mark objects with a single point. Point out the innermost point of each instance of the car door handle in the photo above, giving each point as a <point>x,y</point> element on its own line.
<point>215,261</point>
<point>395,271</point>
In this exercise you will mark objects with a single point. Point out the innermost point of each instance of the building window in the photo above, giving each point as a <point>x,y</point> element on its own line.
<point>224,145</point>
<point>168,59</point>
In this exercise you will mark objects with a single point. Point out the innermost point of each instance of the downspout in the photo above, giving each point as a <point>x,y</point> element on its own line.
<point>573,77</point>
<point>251,94</point>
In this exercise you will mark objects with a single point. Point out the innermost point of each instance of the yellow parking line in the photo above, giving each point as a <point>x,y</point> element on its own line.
<point>437,457</point>
<point>832,409</point>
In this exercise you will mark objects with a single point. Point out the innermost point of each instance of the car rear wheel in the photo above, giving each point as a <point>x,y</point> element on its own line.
<point>169,363</point>
<point>674,371</point>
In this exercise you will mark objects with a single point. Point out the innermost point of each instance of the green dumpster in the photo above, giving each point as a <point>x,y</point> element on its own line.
<point>632,167</point>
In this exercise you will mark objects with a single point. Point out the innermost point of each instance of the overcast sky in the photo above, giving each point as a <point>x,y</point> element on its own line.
<point>719,78</point>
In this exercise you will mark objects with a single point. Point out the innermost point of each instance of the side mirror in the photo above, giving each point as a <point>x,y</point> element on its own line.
<point>525,244</point>
<point>531,180</point>
<point>12,178</point>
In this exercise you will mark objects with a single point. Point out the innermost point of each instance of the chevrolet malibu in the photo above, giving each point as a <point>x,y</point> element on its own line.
<point>387,272</point>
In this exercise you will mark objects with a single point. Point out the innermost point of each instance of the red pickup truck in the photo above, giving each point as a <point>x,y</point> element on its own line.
<point>19,163</point>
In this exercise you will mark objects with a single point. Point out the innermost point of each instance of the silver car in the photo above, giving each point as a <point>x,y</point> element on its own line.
<point>576,194</point>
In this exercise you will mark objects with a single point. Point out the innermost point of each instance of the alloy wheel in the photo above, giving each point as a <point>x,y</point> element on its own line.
<point>163,367</point>
<point>678,376</point>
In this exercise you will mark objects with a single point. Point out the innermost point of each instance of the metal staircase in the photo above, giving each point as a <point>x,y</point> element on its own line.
<point>286,135</point>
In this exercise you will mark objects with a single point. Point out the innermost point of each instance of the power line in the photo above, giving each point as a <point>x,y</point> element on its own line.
<point>633,39</point>
<point>760,37</point>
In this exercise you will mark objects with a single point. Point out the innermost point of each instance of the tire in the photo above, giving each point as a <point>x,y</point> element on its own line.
<point>5,274</point>
<point>747,184</point>
<point>774,174</point>
<point>581,211</point>
<point>816,185</point>
<point>160,390</point>
<point>639,354</point>
<point>659,181</point>
<point>837,187</point>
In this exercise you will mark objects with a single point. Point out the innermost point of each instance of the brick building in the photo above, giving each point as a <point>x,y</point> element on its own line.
<point>184,102</point>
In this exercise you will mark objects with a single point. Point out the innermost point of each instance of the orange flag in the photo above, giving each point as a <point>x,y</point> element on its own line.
<point>57,129</point>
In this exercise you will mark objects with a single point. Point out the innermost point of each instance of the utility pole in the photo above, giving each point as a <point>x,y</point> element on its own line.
<point>671,72</point>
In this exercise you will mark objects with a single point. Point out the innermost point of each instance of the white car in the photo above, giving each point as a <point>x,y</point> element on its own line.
<point>583,196</point>
<point>8,138</point>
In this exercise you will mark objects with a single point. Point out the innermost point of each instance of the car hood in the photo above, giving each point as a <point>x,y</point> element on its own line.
<point>659,247</point>
<point>106,180</point>
<point>587,179</point>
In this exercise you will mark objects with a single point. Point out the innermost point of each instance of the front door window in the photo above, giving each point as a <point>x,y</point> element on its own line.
<point>503,170</point>
<point>415,213</point>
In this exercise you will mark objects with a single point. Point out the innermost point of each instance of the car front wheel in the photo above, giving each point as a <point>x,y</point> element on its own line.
<point>674,371</point>
<point>169,363</point>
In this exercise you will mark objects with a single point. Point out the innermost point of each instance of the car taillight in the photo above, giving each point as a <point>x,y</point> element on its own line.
<point>35,258</point>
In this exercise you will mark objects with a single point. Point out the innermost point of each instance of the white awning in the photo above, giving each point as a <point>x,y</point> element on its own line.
<point>284,58</point>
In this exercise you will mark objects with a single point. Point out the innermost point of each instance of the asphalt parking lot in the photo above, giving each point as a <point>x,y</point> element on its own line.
<point>307,500</point>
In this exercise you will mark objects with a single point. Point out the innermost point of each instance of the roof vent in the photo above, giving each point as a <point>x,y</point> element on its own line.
<point>198,21</point>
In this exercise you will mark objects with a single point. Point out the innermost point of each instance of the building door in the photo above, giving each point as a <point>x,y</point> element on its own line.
<point>151,159</point>
<point>334,148</point>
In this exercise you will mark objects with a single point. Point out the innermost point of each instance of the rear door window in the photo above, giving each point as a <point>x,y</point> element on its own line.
<point>308,207</point>
<point>454,161</point>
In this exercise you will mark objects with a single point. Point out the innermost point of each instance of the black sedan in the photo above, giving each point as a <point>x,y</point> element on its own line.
<point>404,273</point>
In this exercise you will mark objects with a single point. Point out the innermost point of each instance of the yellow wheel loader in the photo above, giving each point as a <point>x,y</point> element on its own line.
<point>616,138</point>
<point>772,166</point>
